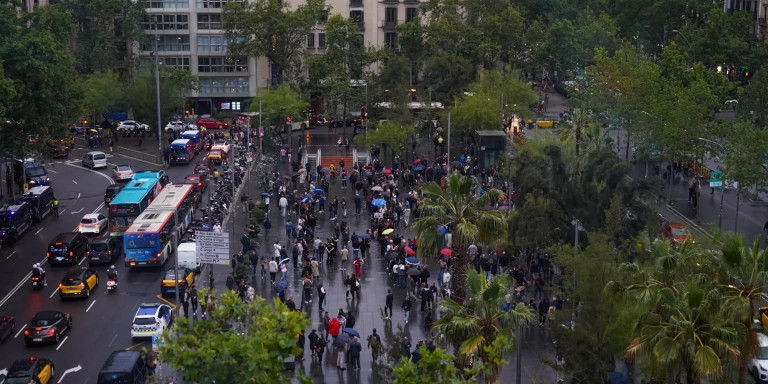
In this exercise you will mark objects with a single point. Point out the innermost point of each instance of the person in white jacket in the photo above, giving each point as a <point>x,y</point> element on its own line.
<point>272,271</point>
<point>283,204</point>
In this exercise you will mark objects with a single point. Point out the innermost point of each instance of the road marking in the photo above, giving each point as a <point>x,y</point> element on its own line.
<point>89,307</point>
<point>133,346</point>
<point>38,231</point>
<point>71,370</point>
<point>51,170</point>
<point>12,253</point>
<point>78,196</point>
<point>57,348</point>
<point>54,292</point>
<point>62,211</point>
<point>23,327</point>
<point>73,180</point>
<point>76,212</point>
<point>173,306</point>
<point>112,341</point>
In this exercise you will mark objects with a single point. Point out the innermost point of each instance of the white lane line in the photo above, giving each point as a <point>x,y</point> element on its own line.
<point>78,195</point>
<point>112,341</point>
<point>73,180</point>
<point>62,342</point>
<point>54,292</point>
<point>12,253</point>
<point>50,170</point>
<point>39,230</point>
<point>76,212</point>
<point>62,211</point>
<point>23,327</point>
<point>89,307</point>
<point>81,261</point>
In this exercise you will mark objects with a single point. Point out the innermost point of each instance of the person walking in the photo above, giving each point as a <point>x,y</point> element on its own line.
<point>313,337</point>
<point>543,310</point>
<point>185,303</point>
<point>344,258</point>
<point>354,353</point>
<point>307,290</point>
<point>283,204</point>
<point>388,304</point>
<point>327,324</point>
<point>320,296</point>
<point>374,344</point>
<point>55,206</point>
<point>194,300</point>
<point>300,341</point>
<point>272,271</point>
<point>315,266</point>
<point>407,308</point>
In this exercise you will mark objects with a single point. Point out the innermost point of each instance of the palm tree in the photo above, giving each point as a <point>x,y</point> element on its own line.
<point>744,283</point>
<point>580,122</point>
<point>691,329</point>
<point>481,319</point>
<point>470,223</point>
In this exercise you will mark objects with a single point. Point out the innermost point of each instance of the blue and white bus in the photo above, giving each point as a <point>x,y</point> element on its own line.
<point>178,198</point>
<point>132,201</point>
<point>149,240</point>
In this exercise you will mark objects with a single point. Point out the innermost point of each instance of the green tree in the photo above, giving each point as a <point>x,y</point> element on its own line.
<point>240,342</point>
<point>753,103</point>
<point>575,130</point>
<point>269,28</point>
<point>101,91</point>
<point>744,281</point>
<point>174,83</point>
<point>480,319</point>
<point>433,367</point>
<point>277,104</point>
<point>390,135</point>
<point>469,222</point>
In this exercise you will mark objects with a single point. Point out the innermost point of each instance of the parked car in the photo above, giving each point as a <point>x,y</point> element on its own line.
<point>132,126</point>
<point>179,126</point>
<point>212,123</point>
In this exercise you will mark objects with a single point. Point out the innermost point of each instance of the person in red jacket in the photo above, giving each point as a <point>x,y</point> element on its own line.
<point>334,327</point>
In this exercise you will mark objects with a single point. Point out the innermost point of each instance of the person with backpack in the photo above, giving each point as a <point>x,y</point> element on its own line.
<point>374,344</point>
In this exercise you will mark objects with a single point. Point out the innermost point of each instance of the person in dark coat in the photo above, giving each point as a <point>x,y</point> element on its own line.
<point>313,337</point>
<point>354,353</point>
<point>300,341</point>
<point>543,309</point>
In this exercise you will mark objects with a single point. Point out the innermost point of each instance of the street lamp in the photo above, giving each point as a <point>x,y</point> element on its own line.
<point>157,92</point>
<point>722,189</point>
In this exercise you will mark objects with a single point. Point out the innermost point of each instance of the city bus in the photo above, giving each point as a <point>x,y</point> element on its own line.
<point>179,198</point>
<point>149,240</point>
<point>131,201</point>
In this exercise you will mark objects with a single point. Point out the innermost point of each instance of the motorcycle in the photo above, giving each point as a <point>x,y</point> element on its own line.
<point>37,282</point>
<point>111,285</point>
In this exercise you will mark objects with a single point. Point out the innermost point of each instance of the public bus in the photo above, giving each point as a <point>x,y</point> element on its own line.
<point>149,241</point>
<point>179,198</point>
<point>132,201</point>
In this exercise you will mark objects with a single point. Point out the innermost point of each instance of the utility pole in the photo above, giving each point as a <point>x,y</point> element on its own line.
<point>448,151</point>
<point>157,92</point>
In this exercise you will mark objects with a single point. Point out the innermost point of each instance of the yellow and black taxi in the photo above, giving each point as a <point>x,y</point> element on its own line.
<point>35,370</point>
<point>215,157</point>
<point>185,276</point>
<point>78,283</point>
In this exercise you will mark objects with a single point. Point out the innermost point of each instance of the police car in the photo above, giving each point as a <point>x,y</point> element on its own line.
<point>151,320</point>
<point>30,370</point>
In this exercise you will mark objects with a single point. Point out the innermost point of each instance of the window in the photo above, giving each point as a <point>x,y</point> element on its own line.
<point>311,40</point>
<point>211,44</point>
<point>227,85</point>
<point>214,3</point>
<point>411,14</point>
<point>321,40</point>
<point>390,39</point>
<point>167,43</point>
<point>390,15</point>
<point>357,17</point>
<point>222,64</point>
<point>209,21</point>
<point>178,62</point>
<point>166,3</point>
<point>167,22</point>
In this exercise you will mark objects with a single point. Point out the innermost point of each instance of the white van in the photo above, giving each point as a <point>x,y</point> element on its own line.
<point>758,366</point>
<point>95,159</point>
<point>187,254</point>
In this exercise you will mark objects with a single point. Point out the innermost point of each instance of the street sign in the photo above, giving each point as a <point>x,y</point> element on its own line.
<point>716,180</point>
<point>212,247</point>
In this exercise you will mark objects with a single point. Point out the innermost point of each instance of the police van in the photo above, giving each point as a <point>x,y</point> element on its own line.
<point>40,200</point>
<point>14,221</point>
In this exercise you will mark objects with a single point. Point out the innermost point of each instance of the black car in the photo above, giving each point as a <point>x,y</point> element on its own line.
<point>203,168</point>
<point>7,327</point>
<point>111,192</point>
<point>31,370</point>
<point>105,250</point>
<point>47,326</point>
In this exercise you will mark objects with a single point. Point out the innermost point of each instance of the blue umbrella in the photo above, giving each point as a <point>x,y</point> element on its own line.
<point>412,260</point>
<point>441,228</point>
<point>266,194</point>
<point>352,332</point>
<point>305,200</point>
<point>418,168</point>
<point>615,377</point>
<point>378,202</point>
<point>319,191</point>
<point>363,236</point>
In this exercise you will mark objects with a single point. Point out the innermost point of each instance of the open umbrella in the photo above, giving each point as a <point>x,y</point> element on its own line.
<point>446,251</point>
<point>412,260</point>
<point>352,332</point>
<point>378,202</point>
<point>393,255</point>
<point>340,340</point>
<point>288,177</point>
<point>409,251</point>
<point>455,163</point>
<point>283,261</point>
<point>319,191</point>
<point>325,170</point>
<point>441,228</point>
<point>504,208</point>
<point>280,287</point>
<point>417,161</point>
<point>387,171</point>
<point>266,194</point>
<point>413,271</point>
<point>418,168</point>
<point>364,236</point>
<point>368,167</point>
<point>387,231</point>
<point>377,189</point>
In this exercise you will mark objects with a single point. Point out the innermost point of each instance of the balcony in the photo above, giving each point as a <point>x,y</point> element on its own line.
<point>355,3</point>
<point>763,22</point>
<point>389,1</point>
<point>389,25</point>
<point>411,1</point>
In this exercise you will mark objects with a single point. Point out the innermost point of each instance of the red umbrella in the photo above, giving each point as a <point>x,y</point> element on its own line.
<point>409,251</point>
<point>387,171</point>
<point>417,161</point>
<point>445,251</point>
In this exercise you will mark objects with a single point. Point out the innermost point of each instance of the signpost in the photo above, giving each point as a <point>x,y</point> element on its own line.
<point>212,247</point>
